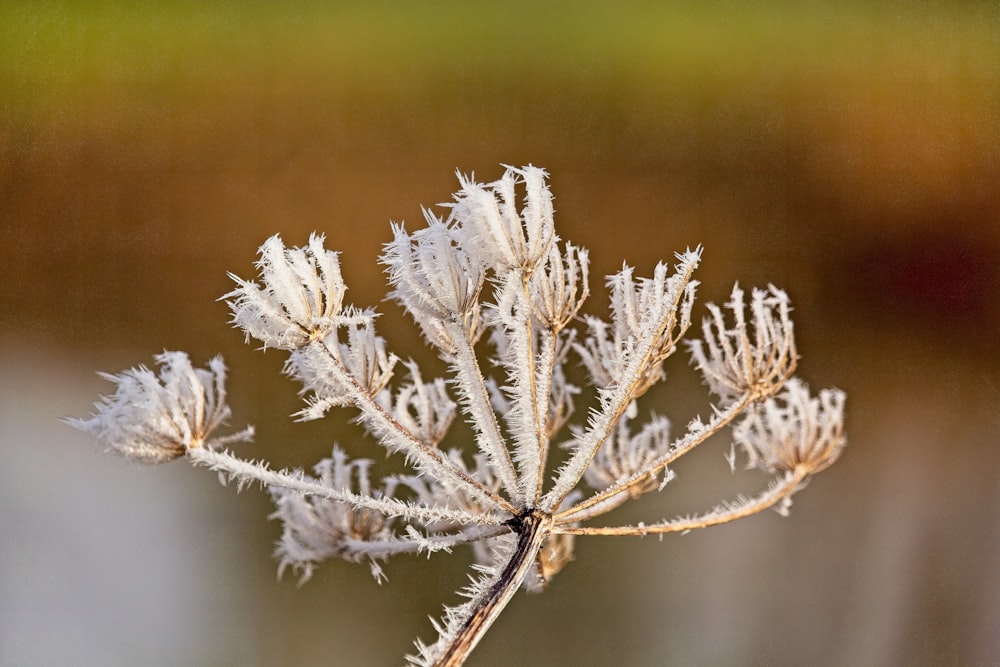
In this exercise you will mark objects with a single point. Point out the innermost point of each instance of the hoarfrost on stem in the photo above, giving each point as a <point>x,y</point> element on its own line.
<point>493,265</point>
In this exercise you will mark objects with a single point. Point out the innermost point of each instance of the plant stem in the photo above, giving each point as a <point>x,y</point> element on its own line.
<point>532,531</point>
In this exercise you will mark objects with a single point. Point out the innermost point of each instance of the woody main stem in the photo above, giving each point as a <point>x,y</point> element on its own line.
<point>532,530</point>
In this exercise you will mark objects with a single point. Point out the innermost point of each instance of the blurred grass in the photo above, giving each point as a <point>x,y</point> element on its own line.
<point>51,52</point>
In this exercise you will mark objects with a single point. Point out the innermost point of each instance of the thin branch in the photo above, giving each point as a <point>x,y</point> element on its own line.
<point>526,419</point>
<point>779,491</point>
<point>477,405</point>
<point>615,402</point>
<point>691,439</point>
<point>418,543</point>
<point>598,508</point>
<point>527,364</point>
<point>250,471</point>
<point>544,438</point>
<point>397,436</point>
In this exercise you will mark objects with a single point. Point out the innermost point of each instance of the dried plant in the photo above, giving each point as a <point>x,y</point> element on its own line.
<point>493,266</point>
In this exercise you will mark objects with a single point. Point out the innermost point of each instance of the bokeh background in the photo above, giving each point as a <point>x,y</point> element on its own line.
<point>846,151</point>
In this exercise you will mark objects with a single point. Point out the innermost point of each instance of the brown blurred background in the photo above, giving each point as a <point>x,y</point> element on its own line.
<point>846,153</point>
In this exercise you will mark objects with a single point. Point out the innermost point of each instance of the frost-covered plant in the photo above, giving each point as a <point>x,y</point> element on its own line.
<point>527,486</point>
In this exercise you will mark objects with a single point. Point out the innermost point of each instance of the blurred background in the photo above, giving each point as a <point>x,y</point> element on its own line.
<point>846,151</point>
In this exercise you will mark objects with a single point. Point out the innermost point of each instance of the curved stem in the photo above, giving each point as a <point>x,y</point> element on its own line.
<point>773,495</point>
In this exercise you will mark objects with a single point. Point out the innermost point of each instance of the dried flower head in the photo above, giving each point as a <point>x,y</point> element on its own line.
<point>531,485</point>
<point>301,298</point>
<point>755,356</point>
<point>318,528</point>
<point>794,430</point>
<point>495,230</point>
<point>156,418</point>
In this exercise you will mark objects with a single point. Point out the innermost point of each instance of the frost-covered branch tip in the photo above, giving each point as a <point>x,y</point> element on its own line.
<point>301,297</point>
<point>794,430</point>
<point>751,357</point>
<point>504,236</point>
<point>153,418</point>
<point>499,297</point>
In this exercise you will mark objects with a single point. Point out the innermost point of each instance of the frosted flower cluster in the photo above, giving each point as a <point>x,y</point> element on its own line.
<point>497,294</point>
<point>154,418</point>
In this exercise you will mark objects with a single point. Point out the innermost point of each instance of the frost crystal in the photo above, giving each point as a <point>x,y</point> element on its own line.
<point>497,294</point>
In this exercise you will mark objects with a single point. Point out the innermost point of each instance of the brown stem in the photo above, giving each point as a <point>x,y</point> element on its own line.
<point>777,492</point>
<point>532,531</point>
